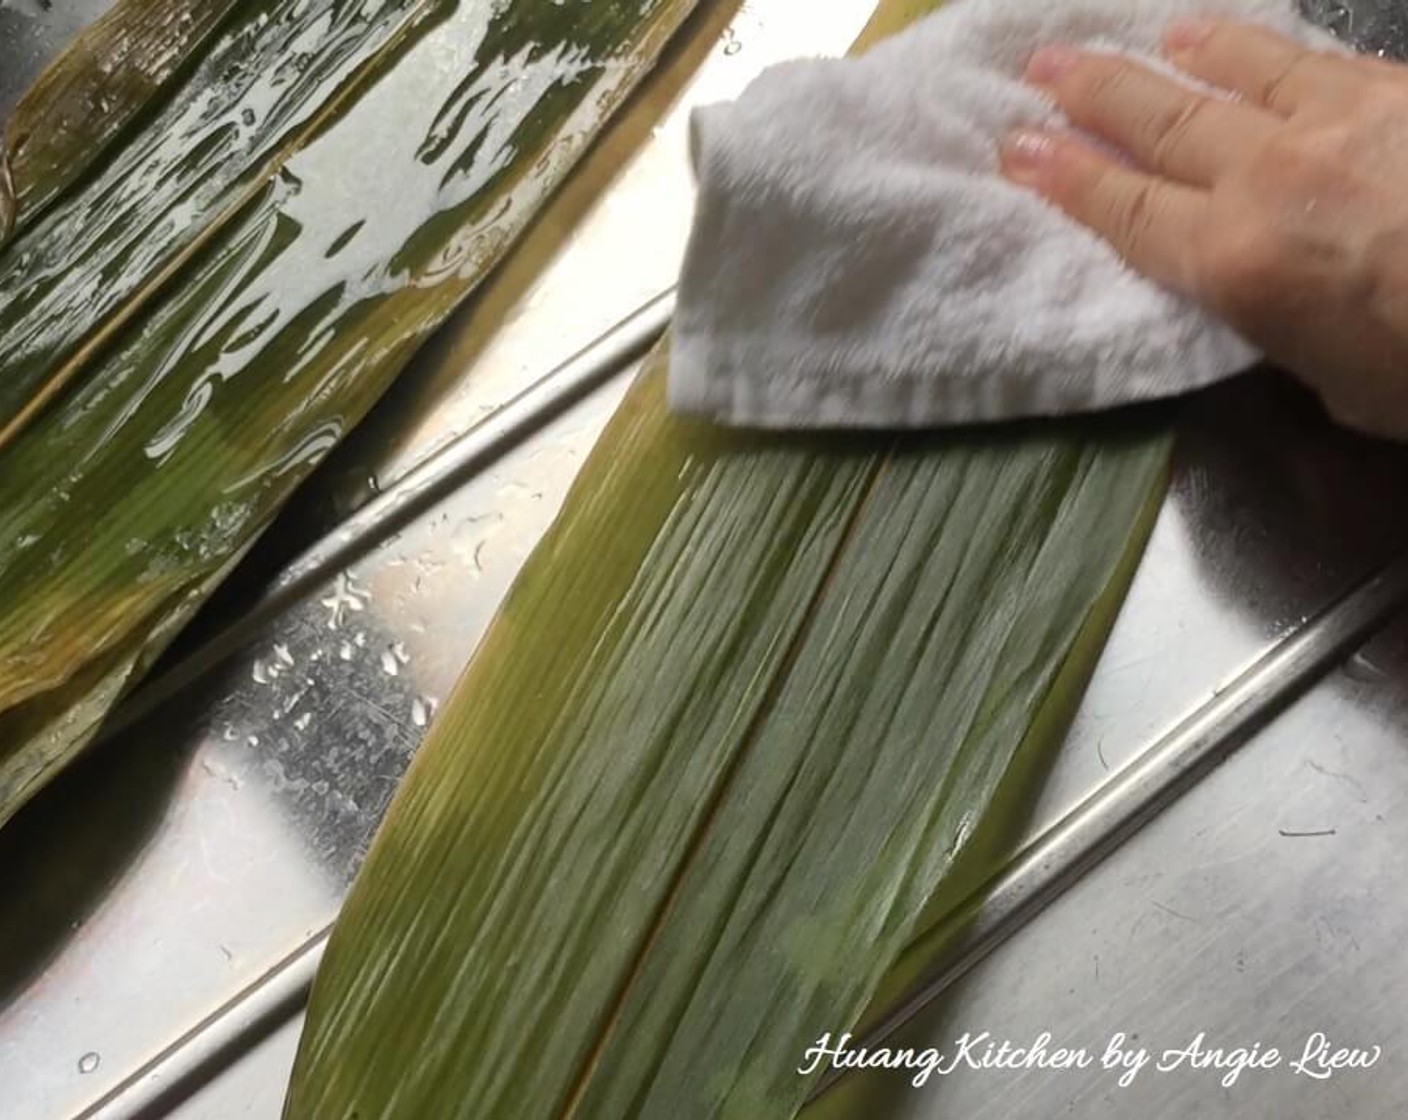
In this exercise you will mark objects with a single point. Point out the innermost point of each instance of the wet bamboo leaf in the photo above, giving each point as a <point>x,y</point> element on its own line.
<point>109,74</point>
<point>267,81</point>
<point>695,795</point>
<point>123,504</point>
<point>756,716</point>
<point>972,570</point>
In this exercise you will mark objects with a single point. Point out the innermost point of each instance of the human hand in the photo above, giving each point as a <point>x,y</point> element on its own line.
<point>1284,210</point>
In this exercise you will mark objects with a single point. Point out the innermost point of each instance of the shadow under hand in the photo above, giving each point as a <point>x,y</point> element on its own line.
<point>1285,510</point>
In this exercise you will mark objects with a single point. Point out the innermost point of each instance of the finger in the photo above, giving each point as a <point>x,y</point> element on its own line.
<point>1265,67</point>
<point>1166,126</point>
<point>1384,68</point>
<point>1151,222</point>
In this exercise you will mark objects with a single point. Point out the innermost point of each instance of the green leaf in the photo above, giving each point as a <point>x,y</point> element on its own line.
<point>124,503</point>
<point>107,76</point>
<point>267,81</point>
<point>707,774</point>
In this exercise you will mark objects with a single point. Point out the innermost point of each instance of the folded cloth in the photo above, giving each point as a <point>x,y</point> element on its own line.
<point>857,260</point>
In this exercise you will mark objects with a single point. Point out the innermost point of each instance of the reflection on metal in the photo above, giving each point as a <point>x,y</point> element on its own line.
<point>195,1060</point>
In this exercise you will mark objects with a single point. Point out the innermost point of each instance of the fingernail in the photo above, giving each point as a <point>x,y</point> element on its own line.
<point>1049,64</point>
<point>1187,35</point>
<point>1026,154</point>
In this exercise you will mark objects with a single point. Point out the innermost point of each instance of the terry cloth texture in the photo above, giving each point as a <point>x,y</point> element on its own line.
<point>857,260</point>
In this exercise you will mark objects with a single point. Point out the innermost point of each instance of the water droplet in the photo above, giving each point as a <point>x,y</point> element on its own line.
<point>302,722</point>
<point>423,710</point>
<point>252,741</point>
<point>346,597</point>
<point>345,651</point>
<point>260,672</point>
<point>90,1062</point>
<point>389,665</point>
<point>281,651</point>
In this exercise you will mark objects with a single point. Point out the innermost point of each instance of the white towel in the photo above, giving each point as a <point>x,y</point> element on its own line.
<point>857,260</point>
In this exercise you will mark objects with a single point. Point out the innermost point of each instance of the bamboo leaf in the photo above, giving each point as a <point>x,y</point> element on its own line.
<point>122,506</point>
<point>969,576</point>
<point>95,89</point>
<point>269,80</point>
<point>756,717</point>
<point>647,593</point>
<point>705,775</point>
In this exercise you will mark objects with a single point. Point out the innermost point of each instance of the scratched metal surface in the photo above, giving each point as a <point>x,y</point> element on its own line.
<point>176,866</point>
